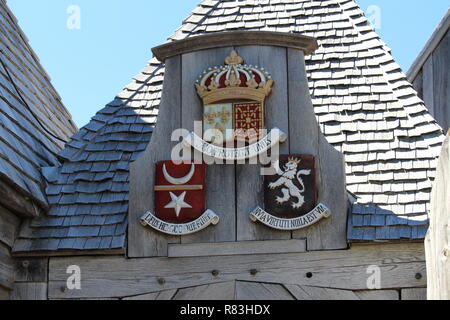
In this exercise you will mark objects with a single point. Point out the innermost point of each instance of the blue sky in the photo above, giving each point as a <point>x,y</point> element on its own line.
<point>90,65</point>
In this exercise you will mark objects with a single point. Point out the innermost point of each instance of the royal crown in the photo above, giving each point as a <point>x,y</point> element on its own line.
<point>234,81</point>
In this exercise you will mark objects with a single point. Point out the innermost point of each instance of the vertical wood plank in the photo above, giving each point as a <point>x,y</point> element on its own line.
<point>327,234</point>
<point>437,242</point>
<point>9,224</point>
<point>220,178</point>
<point>249,181</point>
<point>331,233</point>
<point>428,86</point>
<point>418,84</point>
<point>31,270</point>
<point>441,85</point>
<point>6,267</point>
<point>144,241</point>
<point>303,126</point>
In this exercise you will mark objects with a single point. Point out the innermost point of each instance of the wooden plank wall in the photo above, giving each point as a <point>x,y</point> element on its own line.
<point>329,273</point>
<point>20,279</point>
<point>234,190</point>
<point>31,279</point>
<point>433,83</point>
<point>9,225</point>
<point>437,243</point>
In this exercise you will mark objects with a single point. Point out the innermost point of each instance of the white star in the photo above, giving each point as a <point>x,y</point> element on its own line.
<point>177,203</point>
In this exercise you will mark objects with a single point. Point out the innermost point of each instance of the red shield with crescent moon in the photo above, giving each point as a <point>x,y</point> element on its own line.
<point>179,191</point>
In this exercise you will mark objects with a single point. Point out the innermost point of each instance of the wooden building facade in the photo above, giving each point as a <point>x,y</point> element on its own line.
<point>349,125</point>
<point>429,73</point>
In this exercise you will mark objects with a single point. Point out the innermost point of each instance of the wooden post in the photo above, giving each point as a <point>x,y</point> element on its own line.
<point>437,242</point>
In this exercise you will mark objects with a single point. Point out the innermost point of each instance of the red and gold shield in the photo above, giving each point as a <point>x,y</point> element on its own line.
<point>248,120</point>
<point>179,191</point>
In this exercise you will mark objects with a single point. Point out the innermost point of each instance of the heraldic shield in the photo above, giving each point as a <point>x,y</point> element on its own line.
<point>291,192</point>
<point>179,200</point>
<point>179,191</point>
<point>290,195</point>
<point>233,98</point>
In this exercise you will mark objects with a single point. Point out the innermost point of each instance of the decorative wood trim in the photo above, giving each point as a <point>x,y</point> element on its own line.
<point>236,38</point>
<point>237,248</point>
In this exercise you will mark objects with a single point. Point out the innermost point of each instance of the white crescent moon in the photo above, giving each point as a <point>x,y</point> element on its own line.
<point>178,181</point>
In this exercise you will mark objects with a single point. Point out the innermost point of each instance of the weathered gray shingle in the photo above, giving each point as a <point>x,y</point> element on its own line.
<point>34,122</point>
<point>363,102</point>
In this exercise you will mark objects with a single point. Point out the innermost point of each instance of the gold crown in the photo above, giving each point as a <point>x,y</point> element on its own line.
<point>234,81</point>
<point>294,160</point>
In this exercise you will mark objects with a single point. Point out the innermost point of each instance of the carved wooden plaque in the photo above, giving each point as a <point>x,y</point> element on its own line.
<point>291,192</point>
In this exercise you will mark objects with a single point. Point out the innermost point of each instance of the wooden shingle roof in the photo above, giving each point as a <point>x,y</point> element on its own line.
<point>363,102</point>
<point>34,124</point>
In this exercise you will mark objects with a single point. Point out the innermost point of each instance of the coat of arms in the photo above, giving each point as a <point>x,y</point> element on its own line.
<point>290,195</point>
<point>180,199</point>
<point>233,97</point>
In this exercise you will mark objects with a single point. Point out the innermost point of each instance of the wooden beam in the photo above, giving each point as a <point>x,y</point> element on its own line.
<point>215,291</point>
<point>162,295</point>
<point>29,291</point>
<point>437,242</point>
<point>314,293</point>
<point>261,291</point>
<point>69,253</point>
<point>31,270</point>
<point>237,248</point>
<point>17,202</point>
<point>344,269</point>
<point>236,38</point>
<point>4,294</point>
<point>6,268</point>
<point>9,225</point>
<point>414,294</point>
